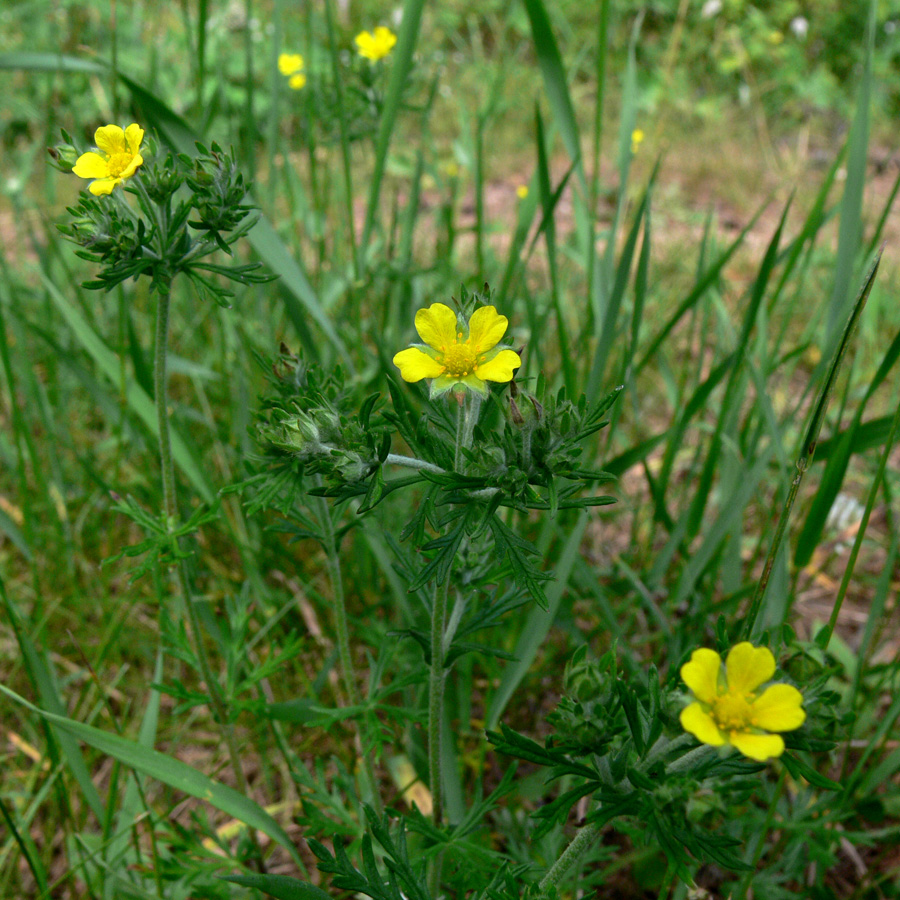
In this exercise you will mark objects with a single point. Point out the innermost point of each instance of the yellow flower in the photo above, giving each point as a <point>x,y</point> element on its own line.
<point>376,46</point>
<point>637,138</point>
<point>291,66</point>
<point>728,707</point>
<point>290,63</point>
<point>458,354</point>
<point>522,191</point>
<point>118,159</point>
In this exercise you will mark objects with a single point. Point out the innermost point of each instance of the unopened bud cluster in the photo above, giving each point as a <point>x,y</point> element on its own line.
<point>585,719</point>
<point>307,424</point>
<point>219,190</point>
<point>322,442</point>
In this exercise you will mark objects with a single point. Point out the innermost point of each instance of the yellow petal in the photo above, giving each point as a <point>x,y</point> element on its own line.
<point>701,674</point>
<point>134,134</point>
<point>757,746</point>
<point>779,708</point>
<point>384,40</point>
<point>131,168</point>
<point>747,667</point>
<point>297,82</point>
<point>701,725</point>
<point>110,139</point>
<point>289,63</point>
<point>365,44</point>
<point>486,327</point>
<point>91,165</point>
<point>437,326</point>
<point>103,186</point>
<point>414,365</point>
<point>500,368</point>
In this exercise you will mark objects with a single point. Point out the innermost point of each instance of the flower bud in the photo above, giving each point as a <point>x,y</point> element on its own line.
<point>63,157</point>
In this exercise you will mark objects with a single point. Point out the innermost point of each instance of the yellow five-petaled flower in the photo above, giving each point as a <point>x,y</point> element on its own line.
<point>118,159</point>
<point>729,708</point>
<point>457,354</point>
<point>376,46</point>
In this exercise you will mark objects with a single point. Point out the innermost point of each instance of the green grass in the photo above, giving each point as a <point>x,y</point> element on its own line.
<point>711,274</point>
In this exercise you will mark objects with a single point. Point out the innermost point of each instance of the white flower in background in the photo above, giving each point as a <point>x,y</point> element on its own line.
<point>844,516</point>
<point>800,27</point>
<point>711,8</point>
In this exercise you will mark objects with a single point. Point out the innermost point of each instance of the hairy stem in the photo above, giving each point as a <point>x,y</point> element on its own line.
<point>436,699</point>
<point>160,382</point>
<point>579,844</point>
<point>170,510</point>
<point>348,671</point>
<point>411,462</point>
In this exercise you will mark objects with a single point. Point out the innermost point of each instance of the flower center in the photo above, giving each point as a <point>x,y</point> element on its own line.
<point>118,163</point>
<point>732,712</point>
<point>459,360</point>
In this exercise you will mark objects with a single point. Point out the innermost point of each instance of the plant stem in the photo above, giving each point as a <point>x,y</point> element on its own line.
<point>343,641</point>
<point>741,893</point>
<point>690,758</point>
<point>460,428</point>
<point>436,699</point>
<point>395,459</point>
<point>579,844</point>
<point>161,398</point>
<point>170,509</point>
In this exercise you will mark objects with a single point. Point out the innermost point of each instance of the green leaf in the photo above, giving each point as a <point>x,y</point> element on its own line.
<point>850,229</point>
<point>280,886</point>
<point>517,552</point>
<point>536,627</point>
<point>42,677</point>
<point>554,75</point>
<point>169,771</point>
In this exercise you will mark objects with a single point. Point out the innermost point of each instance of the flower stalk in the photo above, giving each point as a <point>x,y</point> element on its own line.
<point>570,855</point>
<point>170,510</point>
<point>436,699</point>
<point>160,395</point>
<point>342,630</point>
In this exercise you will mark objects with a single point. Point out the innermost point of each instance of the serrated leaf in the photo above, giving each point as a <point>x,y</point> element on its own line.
<point>517,550</point>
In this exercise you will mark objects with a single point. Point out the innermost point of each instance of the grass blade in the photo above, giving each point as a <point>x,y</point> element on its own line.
<point>41,677</point>
<point>400,68</point>
<point>850,229</point>
<point>550,62</point>
<point>807,450</point>
<point>170,771</point>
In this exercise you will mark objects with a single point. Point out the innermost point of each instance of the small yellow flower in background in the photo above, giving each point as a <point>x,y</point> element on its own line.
<point>522,191</point>
<point>289,63</point>
<point>728,707</point>
<point>637,138</point>
<point>118,159</point>
<point>458,354</point>
<point>775,38</point>
<point>291,66</point>
<point>376,46</point>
